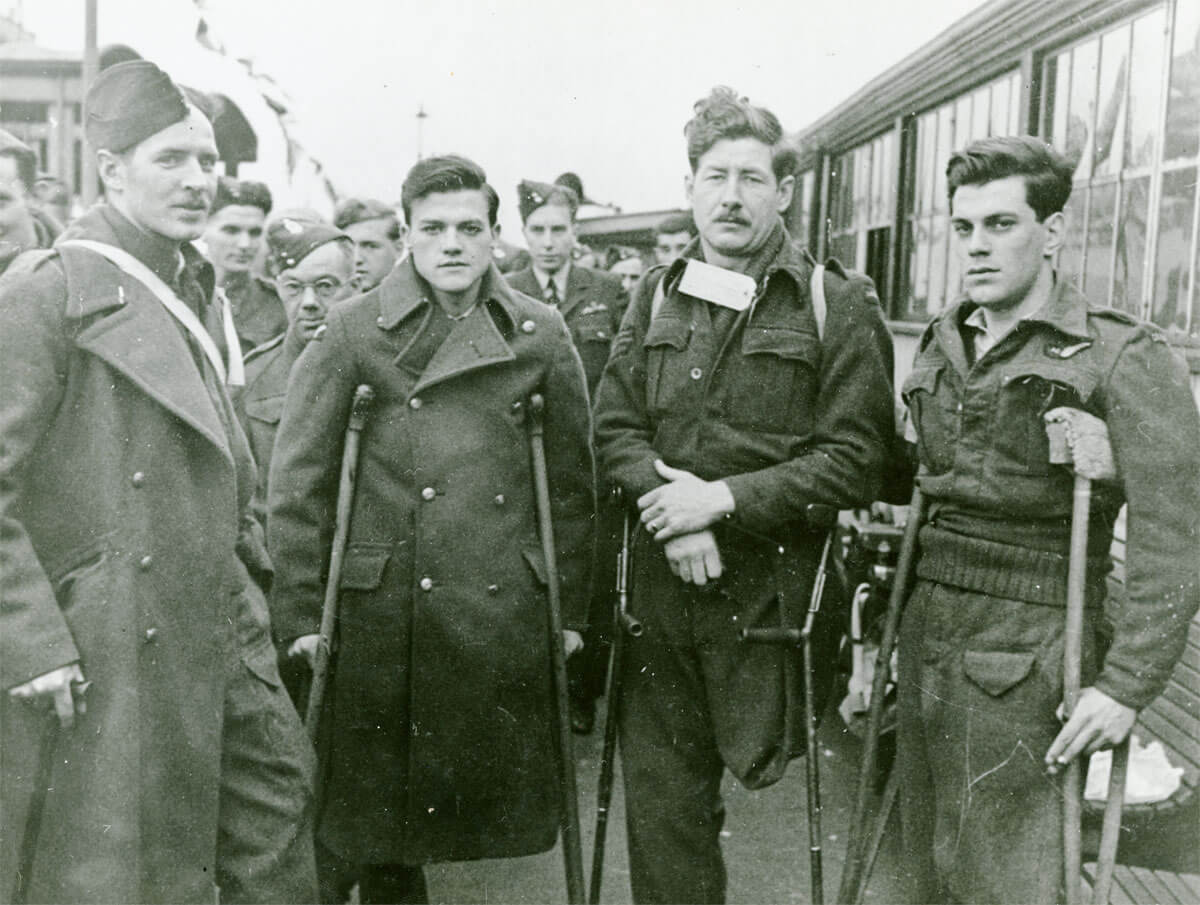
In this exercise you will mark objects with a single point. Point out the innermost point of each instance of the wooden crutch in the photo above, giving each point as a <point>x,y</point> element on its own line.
<point>341,531</point>
<point>1080,440</point>
<point>572,842</point>
<point>855,871</point>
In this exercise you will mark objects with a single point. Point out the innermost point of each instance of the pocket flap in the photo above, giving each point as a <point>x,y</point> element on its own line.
<point>1080,380</point>
<point>996,671</point>
<point>782,342</point>
<point>362,570</point>
<point>537,562</point>
<point>269,409</point>
<point>668,331</point>
<point>920,379</point>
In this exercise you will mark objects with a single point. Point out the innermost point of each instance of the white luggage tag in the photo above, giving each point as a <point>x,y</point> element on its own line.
<point>726,288</point>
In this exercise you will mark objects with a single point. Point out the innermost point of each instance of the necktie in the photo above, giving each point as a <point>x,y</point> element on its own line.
<point>552,294</point>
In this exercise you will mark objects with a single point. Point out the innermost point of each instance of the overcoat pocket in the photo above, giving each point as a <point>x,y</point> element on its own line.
<point>996,671</point>
<point>362,569</point>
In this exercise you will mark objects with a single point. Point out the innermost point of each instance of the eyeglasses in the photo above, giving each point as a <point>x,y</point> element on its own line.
<point>324,288</point>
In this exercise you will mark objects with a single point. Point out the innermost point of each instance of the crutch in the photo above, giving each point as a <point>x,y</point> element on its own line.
<point>823,517</point>
<point>625,624</point>
<point>1080,441</point>
<point>854,872</point>
<point>572,844</point>
<point>329,611</point>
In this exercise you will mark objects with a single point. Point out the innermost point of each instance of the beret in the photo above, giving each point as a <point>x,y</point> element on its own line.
<point>129,102</point>
<point>356,210</point>
<point>532,195</point>
<point>245,193</point>
<point>291,239</point>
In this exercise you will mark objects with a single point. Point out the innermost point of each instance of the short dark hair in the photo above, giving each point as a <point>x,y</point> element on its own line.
<point>24,157</point>
<point>356,210</point>
<point>1047,173</point>
<point>724,115</point>
<point>675,223</point>
<point>241,193</point>
<point>448,173</point>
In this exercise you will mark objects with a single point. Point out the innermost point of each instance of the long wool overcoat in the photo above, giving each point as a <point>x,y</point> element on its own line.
<point>122,493</point>
<point>441,743</point>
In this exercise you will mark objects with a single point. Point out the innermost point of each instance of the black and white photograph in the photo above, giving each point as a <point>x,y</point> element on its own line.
<point>629,453</point>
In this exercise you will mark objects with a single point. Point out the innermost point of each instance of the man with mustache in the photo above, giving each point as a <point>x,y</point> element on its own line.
<point>728,407</point>
<point>232,241</point>
<point>981,645</point>
<point>375,230</point>
<point>141,692</point>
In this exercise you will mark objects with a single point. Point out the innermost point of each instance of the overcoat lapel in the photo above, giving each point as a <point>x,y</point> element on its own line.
<point>139,338</point>
<point>475,342</point>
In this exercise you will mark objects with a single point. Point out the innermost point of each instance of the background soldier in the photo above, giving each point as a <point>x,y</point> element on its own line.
<point>22,224</point>
<point>591,302</point>
<point>124,491</point>
<point>440,735</point>
<point>233,241</point>
<point>981,646</point>
<point>312,262</point>
<point>724,425</point>
<point>672,235</point>
<point>375,230</point>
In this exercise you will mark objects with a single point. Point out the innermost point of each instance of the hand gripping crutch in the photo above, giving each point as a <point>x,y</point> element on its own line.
<point>824,517</point>
<point>341,530</point>
<point>855,872</point>
<point>625,624</point>
<point>1081,441</point>
<point>572,845</point>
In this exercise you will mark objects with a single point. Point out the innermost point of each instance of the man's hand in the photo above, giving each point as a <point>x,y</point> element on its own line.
<point>694,557</point>
<point>1098,722</point>
<point>572,641</point>
<point>305,646</point>
<point>685,505</point>
<point>54,688</point>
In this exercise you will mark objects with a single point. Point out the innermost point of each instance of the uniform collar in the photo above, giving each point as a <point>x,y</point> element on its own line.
<point>404,292</point>
<point>560,279</point>
<point>1065,311</point>
<point>779,254</point>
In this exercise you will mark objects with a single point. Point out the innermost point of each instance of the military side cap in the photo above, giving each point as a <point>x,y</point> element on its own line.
<point>356,210</point>
<point>232,191</point>
<point>290,240</point>
<point>532,195</point>
<point>129,102</point>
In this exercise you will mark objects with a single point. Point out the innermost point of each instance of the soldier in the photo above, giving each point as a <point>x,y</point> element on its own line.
<point>22,224</point>
<point>124,491</point>
<point>440,739</point>
<point>723,414</point>
<point>312,262</point>
<point>233,240</point>
<point>981,645</point>
<point>375,230</point>
<point>671,236</point>
<point>628,267</point>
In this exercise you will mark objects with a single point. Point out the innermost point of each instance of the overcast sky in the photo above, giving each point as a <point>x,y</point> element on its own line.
<point>534,87</point>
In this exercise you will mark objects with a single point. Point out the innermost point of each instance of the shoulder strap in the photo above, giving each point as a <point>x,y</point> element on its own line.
<point>817,293</point>
<point>131,266</point>
<point>659,296</point>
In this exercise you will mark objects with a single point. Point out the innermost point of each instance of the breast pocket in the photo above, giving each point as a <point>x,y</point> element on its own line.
<point>267,411</point>
<point>1020,445</point>
<point>934,415</point>
<point>774,383</point>
<point>667,378</point>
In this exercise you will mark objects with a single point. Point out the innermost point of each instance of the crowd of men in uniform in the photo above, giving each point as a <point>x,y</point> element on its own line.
<point>172,432</point>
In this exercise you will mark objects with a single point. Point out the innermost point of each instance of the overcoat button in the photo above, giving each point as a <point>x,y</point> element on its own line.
<point>138,479</point>
<point>415,402</point>
<point>528,326</point>
<point>426,584</point>
<point>499,501</point>
<point>146,562</point>
<point>428,493</point>
<point>379,320</point>
<point>151,634</point>
<point>493,589</point>
<point>696,373</point>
